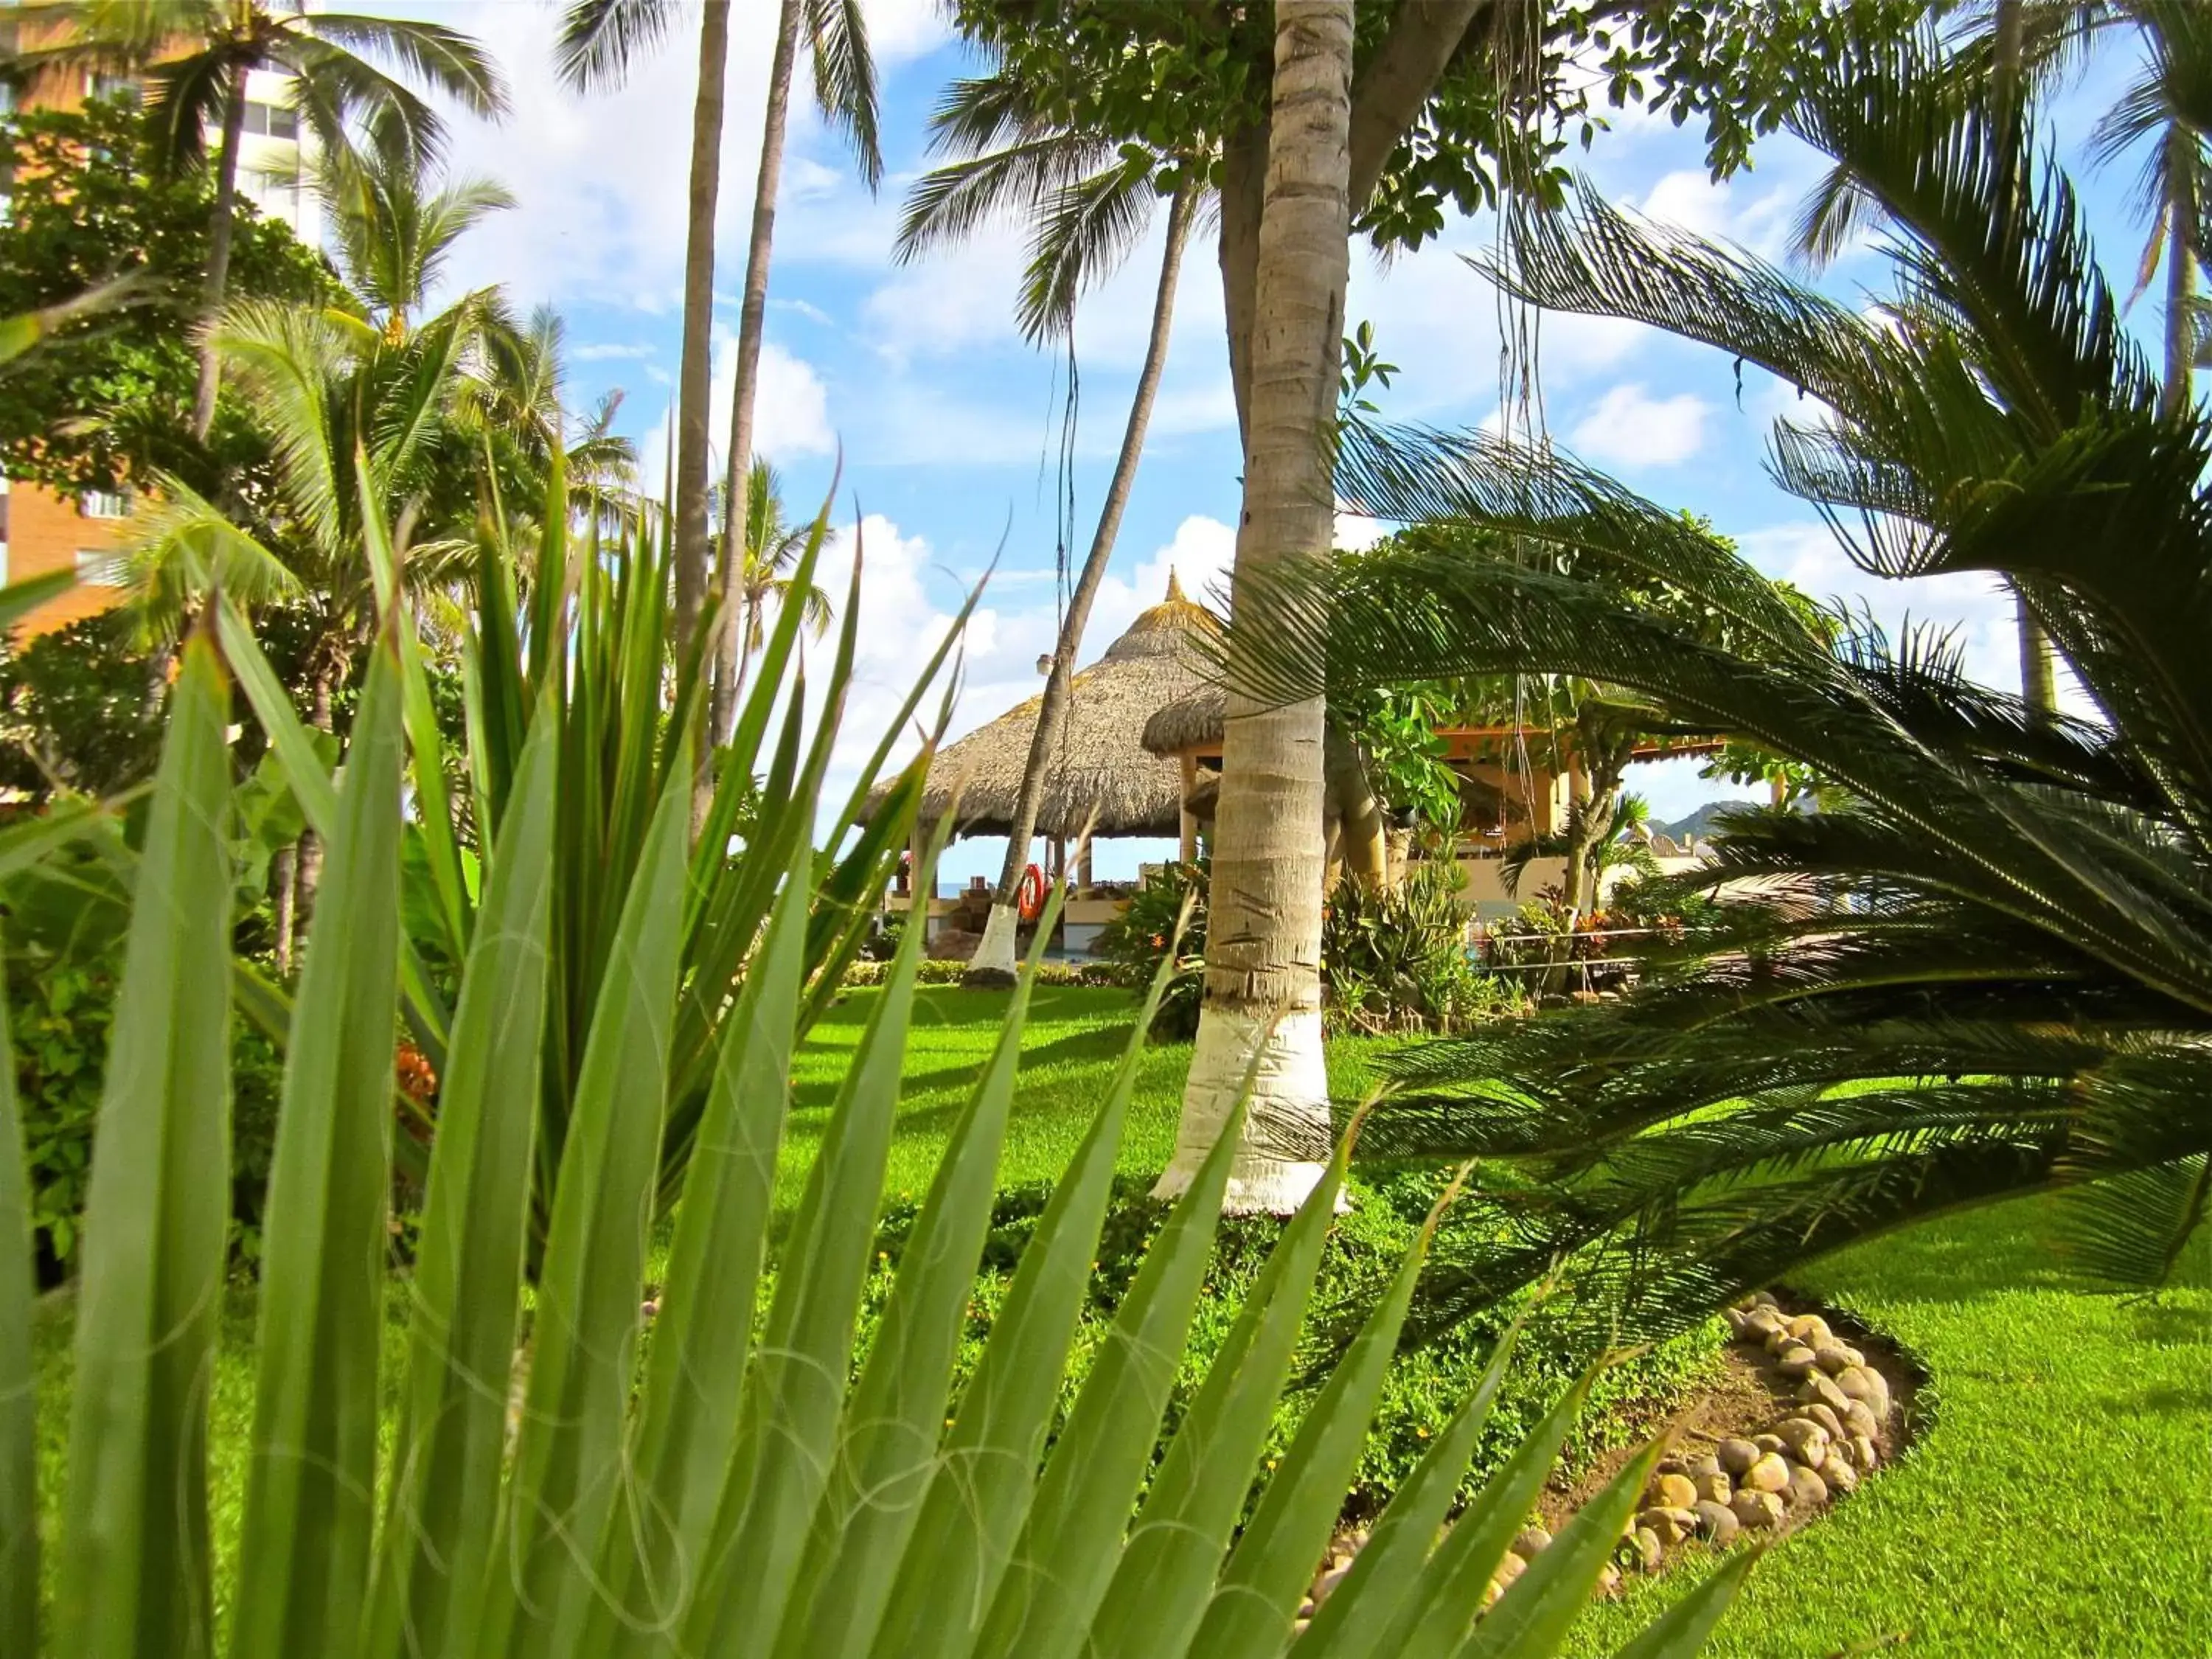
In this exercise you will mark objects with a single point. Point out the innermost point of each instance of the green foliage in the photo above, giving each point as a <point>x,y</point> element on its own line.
<point>1396,959</point>
<point>824,1513</point>
<point>1363,1251</point>
<point>59,1014</point>
<point>1135,943</point>
<point>1394,728</point>
<point>107,403</point>
<point>1173,81</point>
<point>73,710</point>
<point>870,971</point>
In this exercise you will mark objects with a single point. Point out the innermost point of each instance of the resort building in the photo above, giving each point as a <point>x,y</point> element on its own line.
<point>40,530</point>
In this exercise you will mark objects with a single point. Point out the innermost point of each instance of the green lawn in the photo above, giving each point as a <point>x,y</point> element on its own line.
<point>1074,1038</point>
<point>2059,1504</point>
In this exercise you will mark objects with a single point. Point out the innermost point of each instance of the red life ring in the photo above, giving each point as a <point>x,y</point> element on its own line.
<point>1029,897</point>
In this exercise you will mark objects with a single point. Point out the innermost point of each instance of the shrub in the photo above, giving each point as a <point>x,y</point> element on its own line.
<point>1134,944</point>
<point>60,1009</point>
<point>1364,1250</point>
<point>1396,960</point>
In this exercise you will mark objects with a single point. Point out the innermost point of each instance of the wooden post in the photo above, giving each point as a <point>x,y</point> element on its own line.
<point>1188,849</point>
<point>1083,868</point>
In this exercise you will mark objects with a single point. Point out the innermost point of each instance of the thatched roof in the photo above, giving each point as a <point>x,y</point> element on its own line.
<point>1101,768</point>
<point>1194,720</point>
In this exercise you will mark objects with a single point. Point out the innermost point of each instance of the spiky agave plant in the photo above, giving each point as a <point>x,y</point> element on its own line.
<point>1989,971</point>
<point>730,1479</point>
<point>577,628</point>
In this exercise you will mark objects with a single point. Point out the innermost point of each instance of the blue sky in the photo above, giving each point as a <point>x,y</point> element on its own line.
<point>950,425</point>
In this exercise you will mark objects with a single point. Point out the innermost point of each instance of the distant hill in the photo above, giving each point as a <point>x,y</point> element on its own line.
<point>1698,825</point>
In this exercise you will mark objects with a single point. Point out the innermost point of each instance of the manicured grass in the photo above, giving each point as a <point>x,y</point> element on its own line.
<point>2059,1502</point>
<point>1074,1038</point>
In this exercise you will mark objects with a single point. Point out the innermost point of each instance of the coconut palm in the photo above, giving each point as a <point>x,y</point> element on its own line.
<point>394,226</point>
<point>326,387</point>
<point>769,547</point>
<point>837,37</point>
<point>1983,971</point>
<point>1087,204</point>
<point>195,57</point>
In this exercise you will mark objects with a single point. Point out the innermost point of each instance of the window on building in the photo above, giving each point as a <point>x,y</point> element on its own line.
<point>105,504</point>
<point>271,120</point>
<point>99,566</point>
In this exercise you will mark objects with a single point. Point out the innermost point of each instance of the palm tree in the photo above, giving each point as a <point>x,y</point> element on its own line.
<point>1983,970</point>
<point>195,55</point>
<point>394,226</point>
<point>845,88</point>
<point>514,399</point>
<point>599,40</point>
<point>768,547</point>
<point>1087,205</point>
<point>1261,1014</point>
<point>328,388</point>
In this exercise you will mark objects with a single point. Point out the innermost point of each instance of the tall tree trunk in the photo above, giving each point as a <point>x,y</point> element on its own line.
<point>220,223</point>
<point>2180,271</point>
<point>284,903</point>
<point>693,420</point>
<point>994,955</point>
<point>1364,842</point>
<point>730,644</point>
<point>1243,194</point>
<point>2038,686</point>
<point>1262,1013</point>
<point>307,872</point>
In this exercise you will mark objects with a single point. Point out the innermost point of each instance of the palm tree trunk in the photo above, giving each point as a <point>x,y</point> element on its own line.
<point>1243,192</point>
<point>752,313</point>
<point>2038,684</point>
<point>694,424</point>
<point>1364,843</point>
<point>1261,1014</point>
<point>308,863</point>
<point>220,223</point>
<point>2180,271</point>
<point>285,903</point>
<point>994,955</point>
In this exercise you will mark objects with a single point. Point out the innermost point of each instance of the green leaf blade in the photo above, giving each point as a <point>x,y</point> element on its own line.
<point>304,1544</point>
<point>135,1567</point>
<point>436,1541</point>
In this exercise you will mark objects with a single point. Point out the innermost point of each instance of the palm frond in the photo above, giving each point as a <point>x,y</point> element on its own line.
<point>845,79</point>
<point>600,39</point>
<point>1083,233</point>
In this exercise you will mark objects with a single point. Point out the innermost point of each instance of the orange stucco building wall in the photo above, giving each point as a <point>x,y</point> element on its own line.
<point>46,531</point>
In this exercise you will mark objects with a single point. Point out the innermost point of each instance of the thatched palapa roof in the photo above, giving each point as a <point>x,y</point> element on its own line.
<point>1193,721</point>
<point>1101,768</point>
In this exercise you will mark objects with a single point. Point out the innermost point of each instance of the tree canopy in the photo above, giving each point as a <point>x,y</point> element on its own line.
<point>107,403</point>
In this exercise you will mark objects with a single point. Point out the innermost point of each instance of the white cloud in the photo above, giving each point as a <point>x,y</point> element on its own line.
<point>601,180</point>
<point>1691,201</point>
<point>792,416</point>
<point>609,351</point>
<point>1977,611</point>
<point>1630,429</point>
<point>791,411</point>
<point>1356,533</point>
